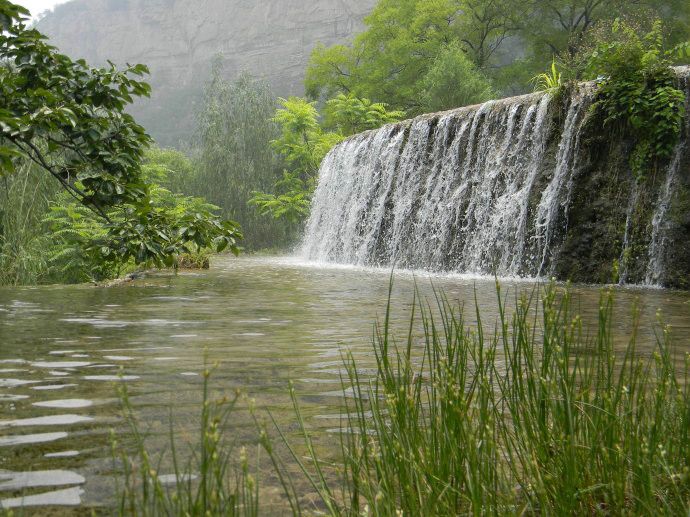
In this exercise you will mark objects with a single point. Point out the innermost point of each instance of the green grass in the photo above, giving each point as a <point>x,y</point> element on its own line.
<point>24,202</point>
<point>216,480</point>
<point>532,414</point>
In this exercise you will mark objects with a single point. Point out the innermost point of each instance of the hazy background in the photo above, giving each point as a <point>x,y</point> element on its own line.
<point>38,6</point>
<point>179,39</point>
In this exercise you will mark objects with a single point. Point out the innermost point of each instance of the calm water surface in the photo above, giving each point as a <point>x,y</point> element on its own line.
<point>265,321</point>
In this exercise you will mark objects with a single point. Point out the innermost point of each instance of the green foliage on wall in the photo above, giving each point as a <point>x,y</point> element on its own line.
<point>637,92</point>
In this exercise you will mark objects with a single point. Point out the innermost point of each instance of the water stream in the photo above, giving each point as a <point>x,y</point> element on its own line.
<point>65,349</point>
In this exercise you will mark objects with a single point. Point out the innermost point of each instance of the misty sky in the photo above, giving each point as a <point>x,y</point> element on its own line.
<point>38,6</point>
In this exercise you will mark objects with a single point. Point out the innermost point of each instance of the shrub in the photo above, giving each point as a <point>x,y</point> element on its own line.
<point>637,92</point>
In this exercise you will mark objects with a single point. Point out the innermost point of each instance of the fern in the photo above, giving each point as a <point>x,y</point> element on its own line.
<point>550,82</point>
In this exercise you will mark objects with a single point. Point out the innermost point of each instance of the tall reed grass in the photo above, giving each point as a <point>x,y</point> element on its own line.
<point>25,196</point>
<point>534,414</point>
<point>215,480</point>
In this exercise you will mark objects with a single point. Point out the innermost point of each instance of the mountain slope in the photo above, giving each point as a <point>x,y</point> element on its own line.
<point>178,39</point>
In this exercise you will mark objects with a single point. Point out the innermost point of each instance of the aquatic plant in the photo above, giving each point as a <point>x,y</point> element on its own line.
<point>212,482</point>
<point>534,417</point>
<point>532,414</point>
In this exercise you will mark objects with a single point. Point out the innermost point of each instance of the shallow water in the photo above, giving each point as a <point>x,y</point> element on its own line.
<point>265,321</point>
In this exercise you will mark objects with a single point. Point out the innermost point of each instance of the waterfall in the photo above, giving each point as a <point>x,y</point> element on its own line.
<point>484,190</point>
<point>661,227</point>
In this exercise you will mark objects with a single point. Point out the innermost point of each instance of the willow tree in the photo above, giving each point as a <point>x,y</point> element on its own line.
<point>233,152</point>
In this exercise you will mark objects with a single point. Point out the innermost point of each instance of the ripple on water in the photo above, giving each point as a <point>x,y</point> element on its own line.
<point>67,497</point>
<point>65,403</point>
<point>26,439</point>
<point>137,349</point>
<point>111,377</point>
<point>53,387</point>
<point>8,397</point>
<point>171,479</point>
<point>13,383</point>
<point>46,420</point>
<point>65,454</point>
<point>39,478</point>
<point>98,323</point>
<point>56,373</point>
<point>118,358</point>
<point>60,364</point>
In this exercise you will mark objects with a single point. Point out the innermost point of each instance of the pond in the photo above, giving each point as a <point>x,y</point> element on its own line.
<point>263,321</point>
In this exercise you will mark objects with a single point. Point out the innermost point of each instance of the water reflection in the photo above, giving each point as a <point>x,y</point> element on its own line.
<point>11,481</point>
<point>7,441</point>
<point>264,321</point>
<point>65,404</point>
<point>67,497</point>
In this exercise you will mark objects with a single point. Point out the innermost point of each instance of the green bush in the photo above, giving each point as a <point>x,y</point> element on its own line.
<point>637,92</point>
<point>84,248</point>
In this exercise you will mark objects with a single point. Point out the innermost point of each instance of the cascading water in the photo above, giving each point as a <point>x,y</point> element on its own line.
<point>660,242</point>
<point>484,189</point>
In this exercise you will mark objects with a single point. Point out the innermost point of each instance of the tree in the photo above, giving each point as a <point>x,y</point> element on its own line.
<point>453,80</point>
<point>391,61</point>
<point>304,143</point>
<point>347,114</point>
<point>69,119</point>
<point>561,27</point>
<point>410,45</point>
<point>233,155</point>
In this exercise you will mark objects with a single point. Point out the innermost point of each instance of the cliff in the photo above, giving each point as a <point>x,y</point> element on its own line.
<point>271,39</point>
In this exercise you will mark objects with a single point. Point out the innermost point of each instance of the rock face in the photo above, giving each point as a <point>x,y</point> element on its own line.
<point>178,39</point>
<point>531,186</point>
